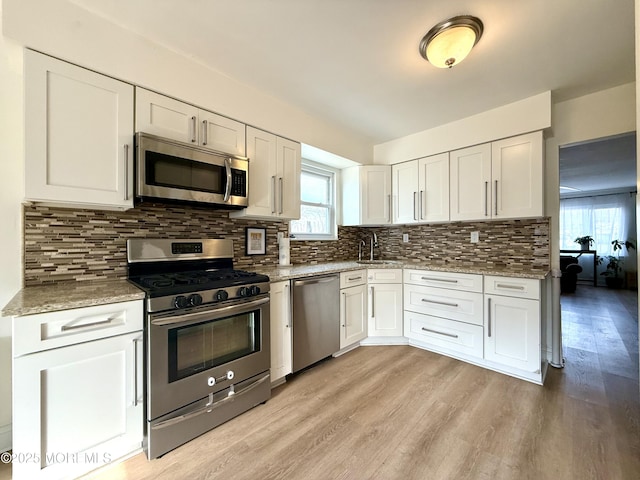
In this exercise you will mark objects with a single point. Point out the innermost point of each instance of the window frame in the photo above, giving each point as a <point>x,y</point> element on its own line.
<point>333,175</point>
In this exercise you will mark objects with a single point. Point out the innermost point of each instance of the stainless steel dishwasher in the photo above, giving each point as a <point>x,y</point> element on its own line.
<point>316,319</point>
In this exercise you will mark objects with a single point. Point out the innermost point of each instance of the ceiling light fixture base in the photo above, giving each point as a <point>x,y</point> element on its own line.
<point>450,41</point>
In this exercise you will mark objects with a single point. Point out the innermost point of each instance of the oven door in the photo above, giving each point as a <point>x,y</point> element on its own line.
<point>204,350</point>
<point>171,170</point>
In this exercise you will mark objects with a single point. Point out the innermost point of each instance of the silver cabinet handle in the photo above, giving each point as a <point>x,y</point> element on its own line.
<point>281,196</point>
<point>344,310</point>
<point>512,287</point>
<point>421,212</point>
<point>126,171</point>
<point>273,194</point>
<point>351,279</point>
<point>415,195</point>
<point>486,194</point>
<point>496,196</point>
<point>227,190</point>
<point>440,333</point>
<point>446,280</point>
<point>390,207</point>
<point>135,371</point>
<point>489,317</point>
<point>204,132</point>
<point>66,328</point>
<point>193,129</point>
<point>425,300</point>
<point>373,303</point>
<point>286,287</point>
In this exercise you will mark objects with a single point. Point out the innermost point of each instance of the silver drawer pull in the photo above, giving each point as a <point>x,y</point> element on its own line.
<point>512,287</point>
<point>66,328</point>
<point>440,333</point>
<point>446,280</point>
<point>440,303</point>
<point>354,278</point>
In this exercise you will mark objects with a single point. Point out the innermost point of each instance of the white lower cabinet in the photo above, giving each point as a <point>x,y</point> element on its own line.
<point>353,307</point>
<point>280,324</point>
<point>385,302</point>
<point>512,332</point>
<point>78,406</point>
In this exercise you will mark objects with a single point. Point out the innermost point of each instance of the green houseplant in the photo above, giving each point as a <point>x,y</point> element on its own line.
<point>614,263</point>
<point>585,242</point>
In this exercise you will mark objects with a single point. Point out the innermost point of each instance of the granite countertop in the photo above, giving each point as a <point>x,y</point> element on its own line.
<point>67,295</point>
<point>279,273</point>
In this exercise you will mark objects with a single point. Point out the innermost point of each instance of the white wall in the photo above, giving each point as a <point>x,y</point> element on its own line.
<point>601,114</point>
<point>11,194</point>
<point>66,31</point>
<point>527,115</point>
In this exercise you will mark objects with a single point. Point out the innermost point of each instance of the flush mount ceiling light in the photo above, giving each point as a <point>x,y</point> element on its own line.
<point>449,42</point>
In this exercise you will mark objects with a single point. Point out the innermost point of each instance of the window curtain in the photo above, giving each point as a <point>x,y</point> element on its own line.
<point>605,218</point>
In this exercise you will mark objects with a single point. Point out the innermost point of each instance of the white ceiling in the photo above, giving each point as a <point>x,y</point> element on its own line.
<point>356,62</point>
<point>599,166</point>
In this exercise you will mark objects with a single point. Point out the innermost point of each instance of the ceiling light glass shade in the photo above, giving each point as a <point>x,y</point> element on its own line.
<point>449,42</point>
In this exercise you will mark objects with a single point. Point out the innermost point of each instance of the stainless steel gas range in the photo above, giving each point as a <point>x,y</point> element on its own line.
<point>206,337</point>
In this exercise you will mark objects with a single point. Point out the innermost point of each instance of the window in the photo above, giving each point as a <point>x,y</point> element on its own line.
<point>318,200</point>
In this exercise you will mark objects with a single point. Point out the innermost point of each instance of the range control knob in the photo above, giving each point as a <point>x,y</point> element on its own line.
<point>243,292</point>
<point>180,301</point>
<point>195,299</point>
<point>230,375</point>
<point>221,296</point>
<point>255,290</point>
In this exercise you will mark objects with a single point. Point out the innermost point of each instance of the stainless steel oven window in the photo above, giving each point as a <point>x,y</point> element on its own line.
<point>195,348</point>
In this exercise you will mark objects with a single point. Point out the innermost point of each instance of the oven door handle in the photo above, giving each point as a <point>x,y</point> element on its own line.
<point>209,314</point>
<point>209,407</point>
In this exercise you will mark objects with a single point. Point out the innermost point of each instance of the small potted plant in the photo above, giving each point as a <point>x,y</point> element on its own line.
<point>585,242</point>
<point>614,263</point>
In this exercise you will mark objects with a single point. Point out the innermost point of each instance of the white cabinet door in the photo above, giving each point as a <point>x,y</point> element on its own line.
<point>470,179</point>
<point>288,155</point>
<point>353,315</point>
<point>434,188</point>
<point>405,192</point>
<point>77,408</point>
<point>221,133</point>
<point>375,195</point>
<point>166,117</point>
<point>385,310</point>
<point>517,177</point>
<point>78,135</point>
<point>280,315</point>
<point>512,332</point>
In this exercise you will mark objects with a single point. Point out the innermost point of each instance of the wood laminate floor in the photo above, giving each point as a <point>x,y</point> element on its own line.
<point>398,412</point>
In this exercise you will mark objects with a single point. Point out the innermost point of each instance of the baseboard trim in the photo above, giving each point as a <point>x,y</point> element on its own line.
<point>5,437</point>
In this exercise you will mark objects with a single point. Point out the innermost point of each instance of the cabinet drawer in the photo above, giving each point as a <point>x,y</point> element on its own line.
<point>512,287</point>
<point>353,278</point>
<point>384,275</point>
<point>440,332</point>
<point>453,281</point>
<point>439,302</point>
<point>35,333</point>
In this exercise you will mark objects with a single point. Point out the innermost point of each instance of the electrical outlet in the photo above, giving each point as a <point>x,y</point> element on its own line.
<point>405,237</point>
<point>475,237</point>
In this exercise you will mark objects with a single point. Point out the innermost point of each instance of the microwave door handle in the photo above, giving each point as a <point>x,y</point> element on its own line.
<point>227,190</point>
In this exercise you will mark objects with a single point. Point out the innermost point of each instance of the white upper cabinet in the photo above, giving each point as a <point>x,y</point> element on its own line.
<point>78,135</point>
<point>274,177</point>
<point>366,195</point>
<point>405,192</point>
<point>503,179</point>
<point>433,195</point>
<point>170,118</point>
<point>421,190</point>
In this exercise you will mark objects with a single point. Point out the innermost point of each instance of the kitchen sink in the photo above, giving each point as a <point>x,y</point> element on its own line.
<point>377,262</point>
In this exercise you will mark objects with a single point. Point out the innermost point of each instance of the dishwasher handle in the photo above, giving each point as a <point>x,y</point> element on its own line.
<point>314,280</point>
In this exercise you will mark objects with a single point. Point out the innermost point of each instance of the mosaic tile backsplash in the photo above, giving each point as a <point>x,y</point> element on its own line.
<point>73,244</point>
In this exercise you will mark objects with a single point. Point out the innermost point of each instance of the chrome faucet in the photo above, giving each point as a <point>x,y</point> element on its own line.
<point>374,243</point>
<point>360,245</point>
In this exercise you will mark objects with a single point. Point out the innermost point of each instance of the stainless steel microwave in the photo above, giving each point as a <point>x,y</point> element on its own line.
<point>176,171</point>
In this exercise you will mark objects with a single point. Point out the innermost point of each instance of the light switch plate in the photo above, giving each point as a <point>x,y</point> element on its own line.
<point>475,237</point>
<point>405,237</point>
